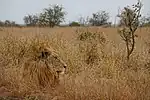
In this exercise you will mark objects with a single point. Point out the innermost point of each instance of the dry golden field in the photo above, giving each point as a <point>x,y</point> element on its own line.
<point>96,68</point>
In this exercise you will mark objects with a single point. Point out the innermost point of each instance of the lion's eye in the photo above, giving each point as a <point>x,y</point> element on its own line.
<point>55,57</point>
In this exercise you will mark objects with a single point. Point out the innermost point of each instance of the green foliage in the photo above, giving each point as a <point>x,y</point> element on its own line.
<point>52,16</point>
<point>74,24</point>
<point>99,18</point>
<point>31,20</point>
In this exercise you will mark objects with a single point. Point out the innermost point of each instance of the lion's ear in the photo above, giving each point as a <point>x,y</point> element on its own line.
<point>44,53</point>
<point>51,51</point>
<point>48,50</point>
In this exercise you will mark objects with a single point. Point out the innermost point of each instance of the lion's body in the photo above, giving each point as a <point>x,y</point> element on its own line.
<point>40,73</point>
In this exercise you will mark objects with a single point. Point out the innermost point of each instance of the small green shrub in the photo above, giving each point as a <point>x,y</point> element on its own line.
<point>74,24</point>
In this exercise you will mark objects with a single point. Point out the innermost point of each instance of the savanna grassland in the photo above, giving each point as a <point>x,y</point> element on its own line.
<point>96,63</point>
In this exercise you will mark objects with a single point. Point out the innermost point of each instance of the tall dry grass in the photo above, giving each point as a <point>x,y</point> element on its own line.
<point>97,67</point>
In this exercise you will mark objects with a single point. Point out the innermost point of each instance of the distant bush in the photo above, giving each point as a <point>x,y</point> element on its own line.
<point>145,21</point>
<point>8,23</point>
<point>74,24</point>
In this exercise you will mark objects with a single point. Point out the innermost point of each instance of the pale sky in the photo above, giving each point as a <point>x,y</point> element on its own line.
<point>16,9</point>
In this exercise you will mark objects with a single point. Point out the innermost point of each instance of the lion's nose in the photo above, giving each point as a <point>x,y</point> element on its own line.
<point>58,72</point>
<point>65,67</point>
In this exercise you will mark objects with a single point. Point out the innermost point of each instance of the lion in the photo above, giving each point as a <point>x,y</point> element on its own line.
<point>45,69</point>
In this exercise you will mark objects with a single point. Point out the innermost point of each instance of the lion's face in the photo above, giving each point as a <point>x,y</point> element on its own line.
<point>57,64</point>
<point>53,60</point>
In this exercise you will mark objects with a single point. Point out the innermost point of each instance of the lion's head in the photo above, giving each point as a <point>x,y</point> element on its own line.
<point>46,68</point>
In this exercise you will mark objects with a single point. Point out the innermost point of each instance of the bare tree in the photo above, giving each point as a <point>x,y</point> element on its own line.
<point>84,21</point>
<point>129,19</point>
